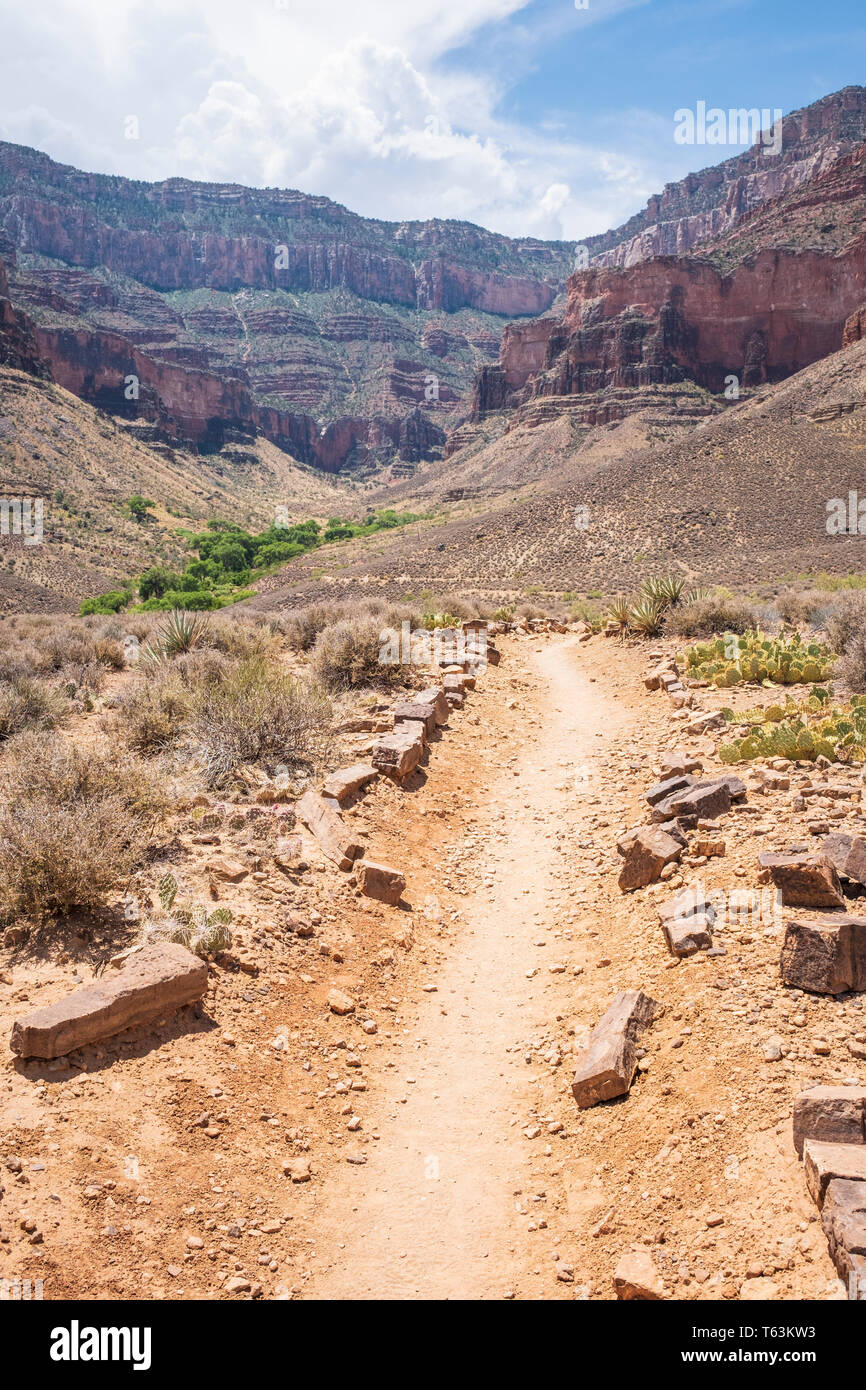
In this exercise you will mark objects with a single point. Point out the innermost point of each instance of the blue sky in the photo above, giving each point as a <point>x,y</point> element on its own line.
<point>531,118</point>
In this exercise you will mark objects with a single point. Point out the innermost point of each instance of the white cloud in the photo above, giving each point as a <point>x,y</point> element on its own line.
<point>340,99</point>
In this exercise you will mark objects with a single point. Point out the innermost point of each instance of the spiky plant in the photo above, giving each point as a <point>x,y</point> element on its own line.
<point>181,632</point>
<point>619,611</point>
<point>194,927</point>
<point>664,590</point>
<point>646,617</point>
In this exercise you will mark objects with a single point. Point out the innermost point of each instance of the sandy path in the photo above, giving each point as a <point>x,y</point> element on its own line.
<point>432,1215</point>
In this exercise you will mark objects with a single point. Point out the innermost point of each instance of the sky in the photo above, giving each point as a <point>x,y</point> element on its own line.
<point>548,118</point>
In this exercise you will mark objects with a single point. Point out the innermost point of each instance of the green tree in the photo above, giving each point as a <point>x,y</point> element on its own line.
<point>139,507</point>
<point>155,582</point>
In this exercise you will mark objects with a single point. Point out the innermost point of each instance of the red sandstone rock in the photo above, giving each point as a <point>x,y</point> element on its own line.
<point>327,825</point>
<point>380,881</point>
<point>155,981</point>
<point>606,1066</point>
<point>830,1114</point>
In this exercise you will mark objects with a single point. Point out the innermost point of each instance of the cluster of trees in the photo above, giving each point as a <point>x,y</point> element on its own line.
<point>227,558</point>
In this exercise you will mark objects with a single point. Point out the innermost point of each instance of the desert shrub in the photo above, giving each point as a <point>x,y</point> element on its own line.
<point>258,712</point>
<point>303,625</point>
<point>583,610</point>
<point>237,636</point>
<point>20,660</point>
<point>847,620</point>
<point>851,666</point>
<point>75,827</point>
<point>152,715</point>
<point>83,678</point>
<point>67,647</point>
<point>28,704</point>
<point>349,654</point>
<point>704,617</point>
<point>202,666</point>
<point>797,609</point>
<point>109,651</point>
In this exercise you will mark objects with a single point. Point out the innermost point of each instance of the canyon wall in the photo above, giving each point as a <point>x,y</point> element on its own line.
<point>200,409</point>
<point>669,319</point>
<point>709,203</point>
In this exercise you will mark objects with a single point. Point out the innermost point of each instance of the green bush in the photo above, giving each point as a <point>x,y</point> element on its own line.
<point>112,602</point>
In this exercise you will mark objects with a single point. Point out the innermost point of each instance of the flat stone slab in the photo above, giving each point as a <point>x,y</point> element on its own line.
<point>399,753</point>
<point>705,799</point>
<point>678,764</point>
<point>826,955</point>
<point>229,870</point>
<point>417,711</point>
<point>689,902</point>
<point>666,788</point>
<point>155,981</point>
<point>830,1114</point>
<point>825,1162</point>
<point>836,791</point>
<point>847,854</point>
<point>636,1277</point>
<point>325,822</point>
<point>346,781</point>
<point>379,881</point>
<point>670,827</point>
<point>805,880</point>
<point>606,1066</point>
<point>844,1221</point>
<point>654,680</point>
<point>646,856</point>
<point>704,722</point>
<point>435,696</point>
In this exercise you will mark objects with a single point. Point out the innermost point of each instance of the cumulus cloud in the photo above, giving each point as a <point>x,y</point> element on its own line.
<point>341,100</point>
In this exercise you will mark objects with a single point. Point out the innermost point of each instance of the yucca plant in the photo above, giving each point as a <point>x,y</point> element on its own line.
<point>179,633</point>
<point>646,617</point>
<point>619,611</point>
<point>664,590</point>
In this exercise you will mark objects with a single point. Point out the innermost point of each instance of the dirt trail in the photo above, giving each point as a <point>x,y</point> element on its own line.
<point>433,1213</point>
